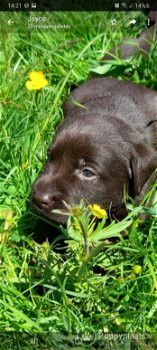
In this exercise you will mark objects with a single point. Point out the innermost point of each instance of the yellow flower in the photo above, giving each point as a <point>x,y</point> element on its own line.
<point>97,211</point>
<point>137,269</point>
<point>118,321</point>
<point>37,81</point>
<point>76,211</point>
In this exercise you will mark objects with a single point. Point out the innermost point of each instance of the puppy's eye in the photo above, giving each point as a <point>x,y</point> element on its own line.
<point>87,172</point>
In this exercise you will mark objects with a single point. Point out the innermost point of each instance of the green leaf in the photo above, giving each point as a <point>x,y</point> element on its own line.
<point>102,69</point>
<point>149,211</point>
<point>111,231</point>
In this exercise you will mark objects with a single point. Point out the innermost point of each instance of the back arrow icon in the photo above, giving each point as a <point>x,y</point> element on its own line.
<point>133,21</point>
<point>10,22</point>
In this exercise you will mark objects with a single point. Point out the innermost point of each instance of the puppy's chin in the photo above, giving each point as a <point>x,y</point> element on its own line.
<point>57,218</point>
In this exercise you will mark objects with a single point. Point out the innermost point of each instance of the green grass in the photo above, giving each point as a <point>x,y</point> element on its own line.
<point>70,291</point>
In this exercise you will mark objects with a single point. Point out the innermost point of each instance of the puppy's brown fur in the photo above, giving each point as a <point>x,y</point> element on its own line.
<point>101,150</point>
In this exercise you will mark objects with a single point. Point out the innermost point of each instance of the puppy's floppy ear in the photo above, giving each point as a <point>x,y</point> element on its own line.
<point>143,165</point>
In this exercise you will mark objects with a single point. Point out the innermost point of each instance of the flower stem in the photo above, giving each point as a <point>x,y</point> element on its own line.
<point>84,233</point>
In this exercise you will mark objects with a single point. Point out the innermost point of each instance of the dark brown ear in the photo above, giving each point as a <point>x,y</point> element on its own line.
<point>143,165</point>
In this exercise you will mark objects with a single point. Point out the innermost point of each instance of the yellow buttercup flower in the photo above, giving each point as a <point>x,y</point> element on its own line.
<point>137,269</point>
<point>76,211</point>
<point>36,80</point>
<point>97,211</point>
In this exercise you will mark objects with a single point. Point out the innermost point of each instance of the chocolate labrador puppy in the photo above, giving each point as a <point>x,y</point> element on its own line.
<point>105,147</point>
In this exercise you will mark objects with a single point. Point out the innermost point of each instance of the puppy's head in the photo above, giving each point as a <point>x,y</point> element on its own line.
<point>86,160</point>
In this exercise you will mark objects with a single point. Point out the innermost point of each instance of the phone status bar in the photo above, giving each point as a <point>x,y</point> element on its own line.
<point>78,5</point>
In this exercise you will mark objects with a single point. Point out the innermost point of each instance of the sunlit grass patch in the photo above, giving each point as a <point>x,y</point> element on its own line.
<point>90,277</point>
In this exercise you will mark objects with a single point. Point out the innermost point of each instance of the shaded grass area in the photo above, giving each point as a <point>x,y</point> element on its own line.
<point>39,286</point>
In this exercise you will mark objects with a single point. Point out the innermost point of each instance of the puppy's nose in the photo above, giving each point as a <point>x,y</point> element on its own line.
<point>44,200</point>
